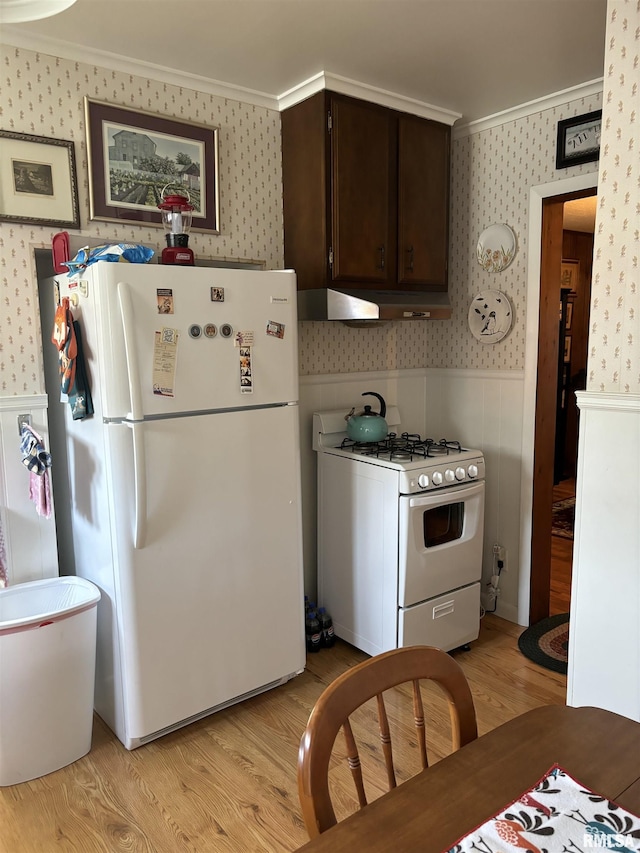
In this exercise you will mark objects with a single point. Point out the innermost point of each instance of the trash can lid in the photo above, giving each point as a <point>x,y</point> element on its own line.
<point>48,599</point>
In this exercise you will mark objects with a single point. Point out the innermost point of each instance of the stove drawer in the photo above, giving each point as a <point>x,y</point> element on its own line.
<point>448,621</point>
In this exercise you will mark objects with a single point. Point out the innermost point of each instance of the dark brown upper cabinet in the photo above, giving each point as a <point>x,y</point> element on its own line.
<point>362,190</point>
<point>423,202</point>
<point>366,195</point>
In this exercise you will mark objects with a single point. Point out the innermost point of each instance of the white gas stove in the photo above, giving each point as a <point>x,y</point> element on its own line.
<point>400,531</point>
<point>424,464</point>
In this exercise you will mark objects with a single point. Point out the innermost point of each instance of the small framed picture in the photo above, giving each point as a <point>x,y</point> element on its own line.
<point>578,140</point>
<point>567,349</point>
<point>569,317</point>
<point>569,273</point>
<point>38,183</point>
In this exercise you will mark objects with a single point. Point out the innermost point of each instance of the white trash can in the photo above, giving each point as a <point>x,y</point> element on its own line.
<point>47,671</point>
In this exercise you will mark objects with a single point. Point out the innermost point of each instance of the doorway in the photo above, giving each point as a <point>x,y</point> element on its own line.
<point>565,280</point>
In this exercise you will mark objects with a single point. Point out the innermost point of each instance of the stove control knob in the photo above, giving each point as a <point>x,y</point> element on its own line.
<point>460,473</point>
<point>473,471</point>
<point>423,481</point>
<point>436,479</point>
<point>449,475</point>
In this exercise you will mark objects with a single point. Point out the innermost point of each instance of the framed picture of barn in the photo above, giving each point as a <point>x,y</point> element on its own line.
<point>134,156</point>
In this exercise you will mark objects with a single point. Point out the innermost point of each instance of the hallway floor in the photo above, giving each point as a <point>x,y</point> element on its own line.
<point>561,558</point>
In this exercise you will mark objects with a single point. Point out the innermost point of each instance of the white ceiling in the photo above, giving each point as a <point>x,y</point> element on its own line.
<point>580,214</point>
<point>473,57</point>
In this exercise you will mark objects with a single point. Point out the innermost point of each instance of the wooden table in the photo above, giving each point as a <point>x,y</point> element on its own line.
<point>431,811</point>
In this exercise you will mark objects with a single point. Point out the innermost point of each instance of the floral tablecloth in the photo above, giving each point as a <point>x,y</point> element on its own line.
<point>557,815</point>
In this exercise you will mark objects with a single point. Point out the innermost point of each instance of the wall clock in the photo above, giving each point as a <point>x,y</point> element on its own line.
<point>490,316</point>
<point>578,140</point>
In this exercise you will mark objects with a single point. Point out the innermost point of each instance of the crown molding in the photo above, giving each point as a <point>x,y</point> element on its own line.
<point>116,62</point>
<point>322,80</point>
<point>171,76</point>
<point>345,86</point>
<point>557,99</point>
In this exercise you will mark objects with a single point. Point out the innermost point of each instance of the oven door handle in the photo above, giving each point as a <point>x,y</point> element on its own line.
<point>446,495</point>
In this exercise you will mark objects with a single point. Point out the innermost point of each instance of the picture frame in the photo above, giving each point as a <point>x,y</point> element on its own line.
<point>133,156</point>
<point>578,140</point>
<point>569,317</point>
<point>38,181</point>
<point>569,274</point>
<point>567,349</point>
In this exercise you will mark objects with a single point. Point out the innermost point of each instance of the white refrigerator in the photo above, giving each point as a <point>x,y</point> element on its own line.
<point>184,488</point>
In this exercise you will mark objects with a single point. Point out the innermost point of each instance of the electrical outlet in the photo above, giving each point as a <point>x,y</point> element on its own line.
<point>500,553</point>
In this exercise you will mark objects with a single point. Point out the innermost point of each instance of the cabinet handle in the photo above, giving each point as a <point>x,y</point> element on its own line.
<point>410,253</point>
<point>381,264</point>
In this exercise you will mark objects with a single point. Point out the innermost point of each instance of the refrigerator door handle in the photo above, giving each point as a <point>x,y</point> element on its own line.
<point>128,329</point>
<point>140,484</point>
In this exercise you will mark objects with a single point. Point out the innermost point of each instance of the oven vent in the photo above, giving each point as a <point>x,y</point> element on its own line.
<point>372,305</point>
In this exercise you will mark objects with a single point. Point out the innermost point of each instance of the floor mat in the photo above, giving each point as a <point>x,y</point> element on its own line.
<point>563,518</point>
<point>547,642</point>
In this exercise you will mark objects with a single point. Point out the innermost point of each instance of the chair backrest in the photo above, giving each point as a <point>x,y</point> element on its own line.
<point>352,689</point>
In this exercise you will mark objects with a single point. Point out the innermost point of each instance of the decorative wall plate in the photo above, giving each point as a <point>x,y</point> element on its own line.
<point>490,316</point>
<point>496,248</point>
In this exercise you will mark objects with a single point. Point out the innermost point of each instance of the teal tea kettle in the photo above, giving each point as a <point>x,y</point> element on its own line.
<point>368,426</point>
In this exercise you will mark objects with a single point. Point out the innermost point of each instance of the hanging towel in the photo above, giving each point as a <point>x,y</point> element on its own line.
<point>40,493</point>
<point>34,456</point>
<point>63,337</point>
<point>74,382</point>
<point>38,461</point>
<point>80,398</point>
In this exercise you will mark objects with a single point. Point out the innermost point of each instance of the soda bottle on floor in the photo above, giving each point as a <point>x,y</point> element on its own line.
<point>312,632</point>
<point>326,628</point>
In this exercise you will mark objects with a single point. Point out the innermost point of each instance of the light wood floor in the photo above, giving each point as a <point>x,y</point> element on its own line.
<point>228,783</point>
<point>561,558</point>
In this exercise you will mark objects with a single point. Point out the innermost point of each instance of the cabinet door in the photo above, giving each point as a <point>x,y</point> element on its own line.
<point>305,191</point>
<point>363,186</point>
<point>423,202</point>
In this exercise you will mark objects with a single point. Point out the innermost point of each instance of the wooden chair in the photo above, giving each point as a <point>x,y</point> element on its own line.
<point>351,690</point>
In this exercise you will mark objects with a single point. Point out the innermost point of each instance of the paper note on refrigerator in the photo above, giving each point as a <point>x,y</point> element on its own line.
<point>165,354</point>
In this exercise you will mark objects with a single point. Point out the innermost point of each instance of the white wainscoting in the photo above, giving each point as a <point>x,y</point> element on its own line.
<point>604,640</point>
<point>30,540</point>
<point>482,409</point>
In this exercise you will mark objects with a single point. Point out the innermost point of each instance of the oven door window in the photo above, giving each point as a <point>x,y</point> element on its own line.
<point>442,524</point>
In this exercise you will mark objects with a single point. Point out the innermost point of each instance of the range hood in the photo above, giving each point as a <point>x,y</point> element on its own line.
<point>340,304</point>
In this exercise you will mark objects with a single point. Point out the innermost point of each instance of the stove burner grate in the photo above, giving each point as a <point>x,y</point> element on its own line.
<point>403,447</point>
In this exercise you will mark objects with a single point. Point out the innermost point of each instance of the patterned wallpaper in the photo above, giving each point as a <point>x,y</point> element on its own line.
<point>614,338</point>
<point>492,171</point>
<point>43,95</point>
